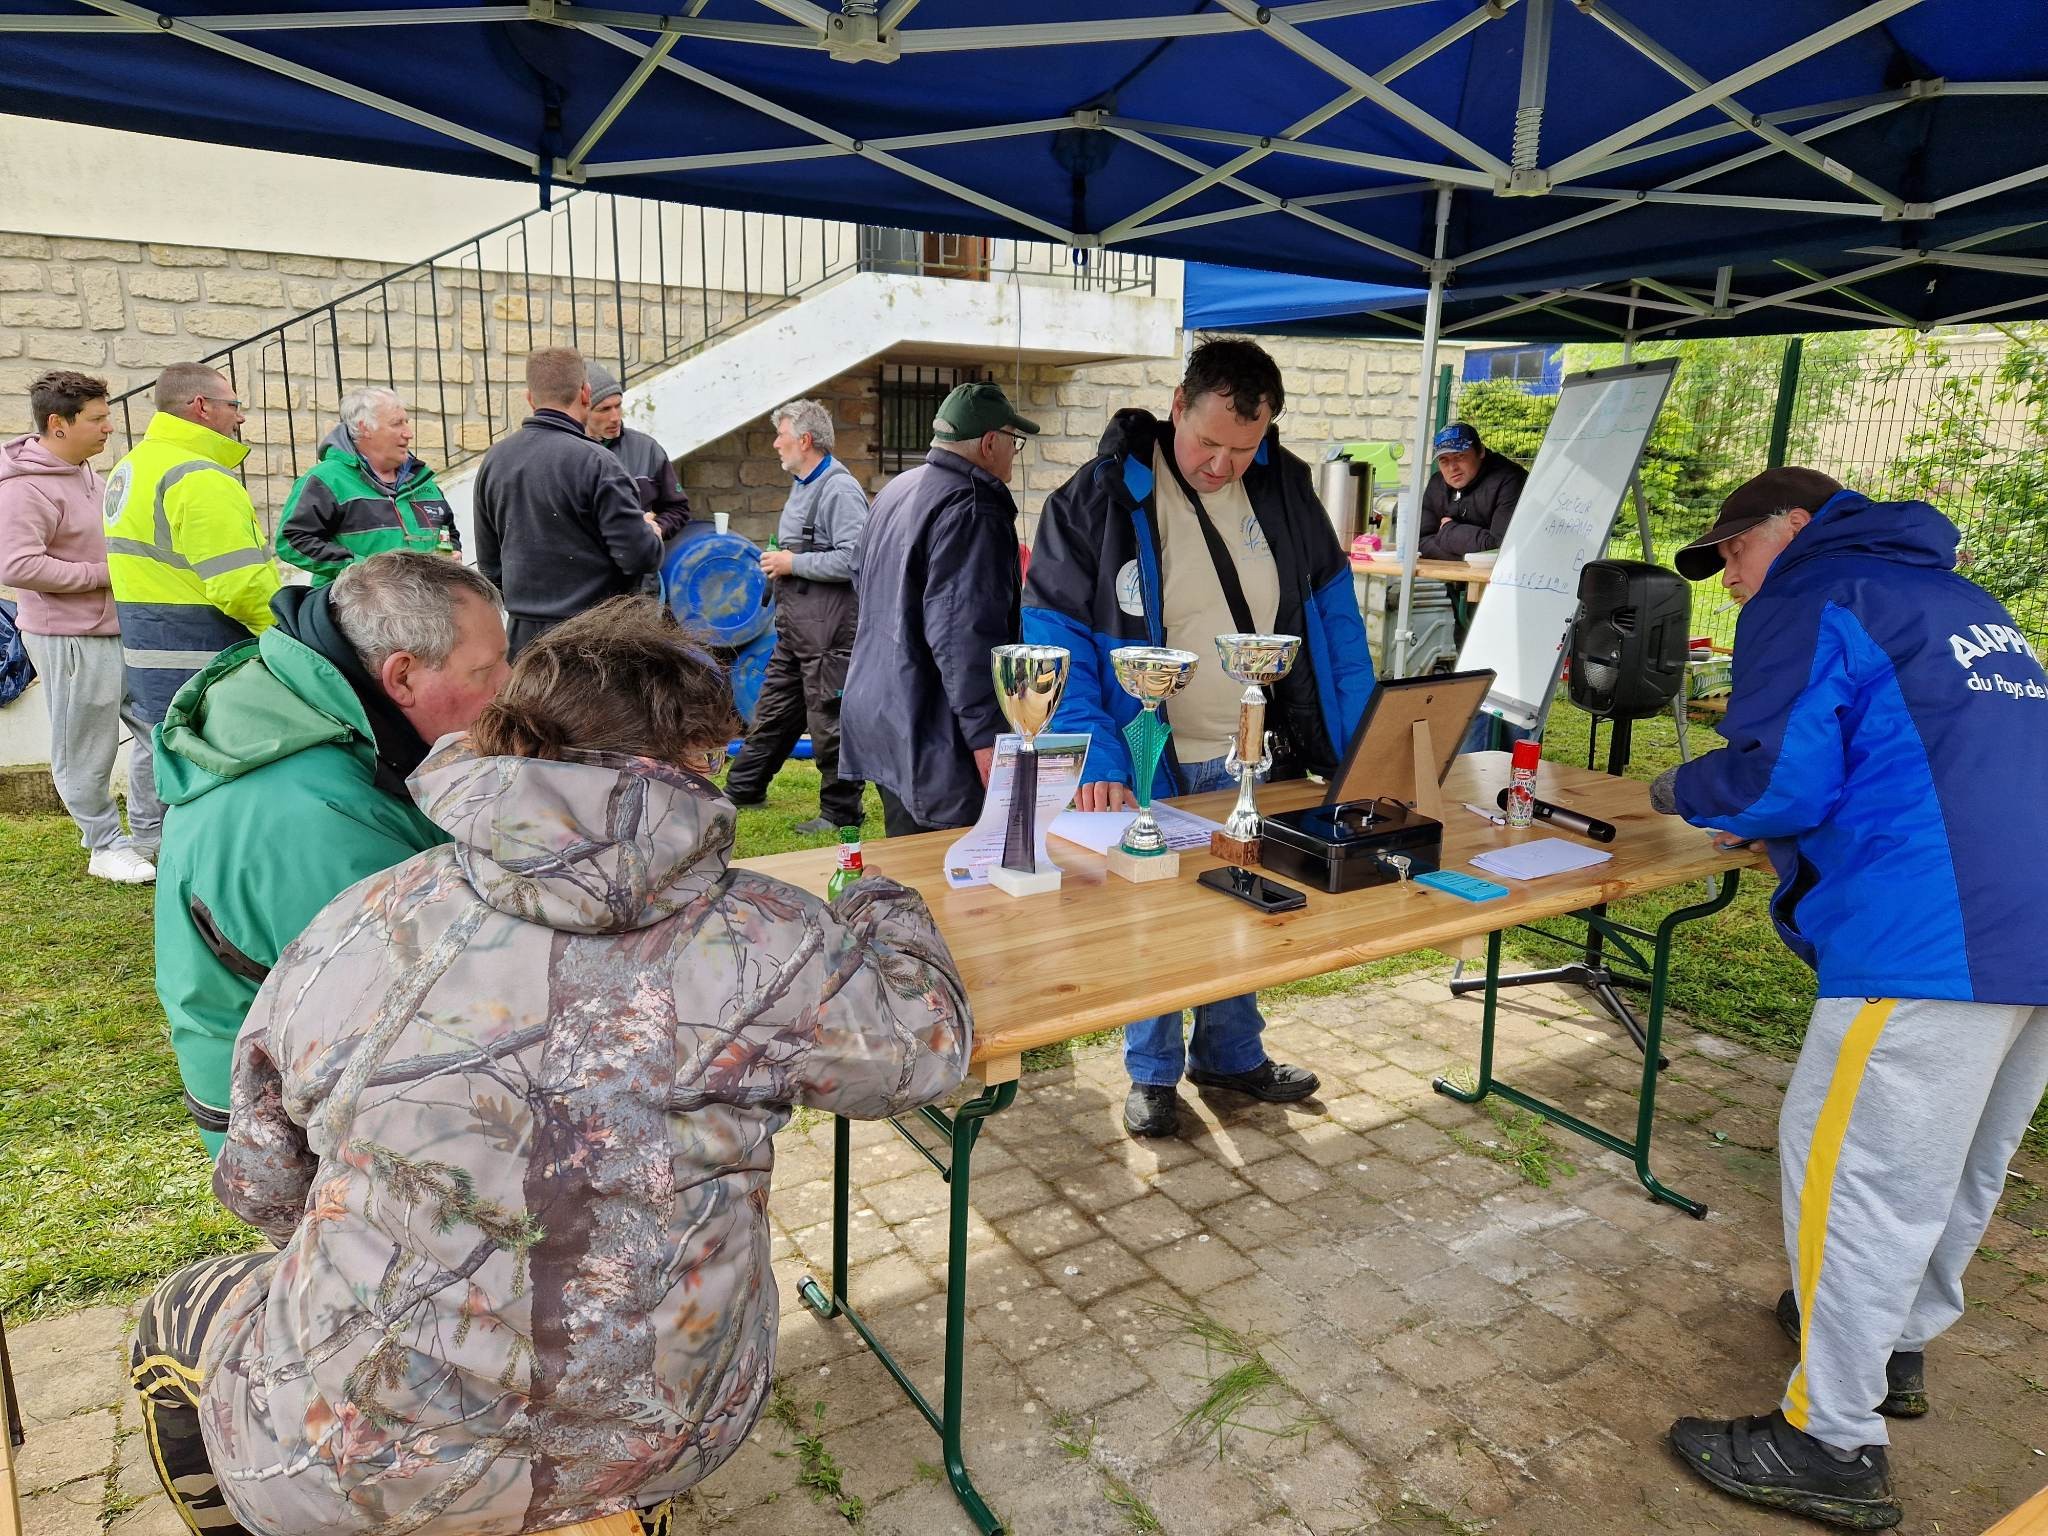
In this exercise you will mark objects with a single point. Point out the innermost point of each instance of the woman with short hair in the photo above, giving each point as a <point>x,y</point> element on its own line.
<point>506,1109</point>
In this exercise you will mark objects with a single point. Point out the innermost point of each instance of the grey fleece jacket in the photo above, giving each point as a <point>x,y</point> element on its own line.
<point>841,509</point>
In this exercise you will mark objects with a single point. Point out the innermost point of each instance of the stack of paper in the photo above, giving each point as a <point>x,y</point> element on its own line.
<point>1534,860</point>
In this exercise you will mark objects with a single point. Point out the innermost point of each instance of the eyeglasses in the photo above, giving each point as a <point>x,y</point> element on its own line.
<point>227,400</point>
<point>1017,440</point>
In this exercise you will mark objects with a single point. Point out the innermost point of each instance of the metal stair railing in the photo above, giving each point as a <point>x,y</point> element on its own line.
<point>634,285</point>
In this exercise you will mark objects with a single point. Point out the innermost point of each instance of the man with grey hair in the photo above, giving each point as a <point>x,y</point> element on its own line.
<point>558,520</point>
<point>367,493</point>
<point>813,560</point>
<point>283,768</point>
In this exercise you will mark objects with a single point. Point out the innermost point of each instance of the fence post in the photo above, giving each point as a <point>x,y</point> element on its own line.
<point>1443,397</point>
<point>1788,392</point>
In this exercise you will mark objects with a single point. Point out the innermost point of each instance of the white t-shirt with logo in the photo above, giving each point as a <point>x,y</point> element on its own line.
<point>1204,713</point>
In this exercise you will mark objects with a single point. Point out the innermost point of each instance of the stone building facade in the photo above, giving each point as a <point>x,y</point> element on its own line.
<point>122,310</point>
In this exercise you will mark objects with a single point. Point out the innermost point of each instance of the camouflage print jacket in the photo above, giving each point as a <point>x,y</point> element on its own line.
<point>506,1108</point>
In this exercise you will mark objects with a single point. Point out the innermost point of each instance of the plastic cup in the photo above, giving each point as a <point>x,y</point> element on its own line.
<point>722,521</point>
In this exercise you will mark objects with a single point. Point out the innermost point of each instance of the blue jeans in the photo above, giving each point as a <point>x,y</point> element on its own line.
<point>1226,1036</point>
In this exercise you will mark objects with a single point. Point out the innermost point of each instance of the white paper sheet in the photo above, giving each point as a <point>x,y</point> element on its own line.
<point>1534,860</point>
<point>1059,775</point>
<point>1099,831</point>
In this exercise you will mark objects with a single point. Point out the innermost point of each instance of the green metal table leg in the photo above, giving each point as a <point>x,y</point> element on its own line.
<point>1636,1151</point>
<point>1484,1086</point>
<point>964,1127</point>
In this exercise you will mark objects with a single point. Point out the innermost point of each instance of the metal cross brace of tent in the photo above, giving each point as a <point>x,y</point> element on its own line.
<point>884,30</point>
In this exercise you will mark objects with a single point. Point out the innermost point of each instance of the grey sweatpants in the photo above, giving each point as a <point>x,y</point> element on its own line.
<point>85,686</point>
<point>1898,1124</point>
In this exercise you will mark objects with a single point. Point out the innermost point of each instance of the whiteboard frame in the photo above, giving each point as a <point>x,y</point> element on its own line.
<point>1511,710</point>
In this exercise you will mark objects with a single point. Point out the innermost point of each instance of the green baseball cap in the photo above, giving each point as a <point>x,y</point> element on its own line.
<point>973,409</point>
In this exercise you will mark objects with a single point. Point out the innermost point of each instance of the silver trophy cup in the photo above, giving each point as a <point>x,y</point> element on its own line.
<point>1257,661</point>
<point>1150,674</point>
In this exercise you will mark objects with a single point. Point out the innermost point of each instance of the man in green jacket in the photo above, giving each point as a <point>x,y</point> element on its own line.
<point>283,770</point>
<point>366,494</point>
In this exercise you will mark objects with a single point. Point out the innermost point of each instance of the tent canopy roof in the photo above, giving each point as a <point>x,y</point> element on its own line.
<point>1548,146</point>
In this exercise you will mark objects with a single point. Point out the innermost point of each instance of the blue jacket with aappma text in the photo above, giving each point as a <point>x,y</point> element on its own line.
<point>1888,738</point>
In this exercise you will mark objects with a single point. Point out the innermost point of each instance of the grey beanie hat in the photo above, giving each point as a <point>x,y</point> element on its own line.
<point>603,386</point>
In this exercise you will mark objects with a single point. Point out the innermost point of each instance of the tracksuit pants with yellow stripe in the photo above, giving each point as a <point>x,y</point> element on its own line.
<point>1897,1128</point>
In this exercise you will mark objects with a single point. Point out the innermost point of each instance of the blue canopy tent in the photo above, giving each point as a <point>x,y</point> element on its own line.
<point>1892,149</point>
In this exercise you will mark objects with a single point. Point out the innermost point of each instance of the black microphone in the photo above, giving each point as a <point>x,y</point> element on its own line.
<point>1570,820</point>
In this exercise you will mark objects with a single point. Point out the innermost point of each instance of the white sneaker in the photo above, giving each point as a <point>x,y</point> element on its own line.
<point>124,866</point>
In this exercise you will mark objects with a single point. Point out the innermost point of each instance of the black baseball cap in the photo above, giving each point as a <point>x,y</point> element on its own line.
<point>1760,497</point>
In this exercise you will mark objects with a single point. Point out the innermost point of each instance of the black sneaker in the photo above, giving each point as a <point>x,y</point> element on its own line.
<point>1766,1461</point>
<point>1905,1374</point>
<point>1151,1111</point>
<point>1269,1080</point>
<point>817,826</point>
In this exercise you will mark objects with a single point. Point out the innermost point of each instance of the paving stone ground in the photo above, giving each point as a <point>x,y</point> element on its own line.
<point>1452,1348</point>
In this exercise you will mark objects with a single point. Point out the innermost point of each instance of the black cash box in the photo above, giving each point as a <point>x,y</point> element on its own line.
<point>1352,844</point>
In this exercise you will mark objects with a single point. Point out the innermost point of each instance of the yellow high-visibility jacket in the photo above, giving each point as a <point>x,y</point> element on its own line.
<point>190,566</point>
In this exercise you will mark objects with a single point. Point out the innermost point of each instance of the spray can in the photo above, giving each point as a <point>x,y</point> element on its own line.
<point>1521,806</point>
<point>849,869</point>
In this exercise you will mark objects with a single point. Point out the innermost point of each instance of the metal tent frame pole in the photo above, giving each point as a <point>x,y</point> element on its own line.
<point>1411,522</point>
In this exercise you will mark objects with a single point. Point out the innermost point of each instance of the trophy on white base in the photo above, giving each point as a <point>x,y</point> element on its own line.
<point>1029,681</point>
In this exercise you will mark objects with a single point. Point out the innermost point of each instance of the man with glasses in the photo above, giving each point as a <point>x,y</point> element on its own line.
<point>188,563</point>
<point>813,561</point>
<point>939,585</point>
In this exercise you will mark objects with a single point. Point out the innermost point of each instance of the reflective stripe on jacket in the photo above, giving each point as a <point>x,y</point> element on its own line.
<point>338,513</point>
<point>186,558</point>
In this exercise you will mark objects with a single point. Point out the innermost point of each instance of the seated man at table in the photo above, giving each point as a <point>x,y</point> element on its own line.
<point>1471,499</point>
<point>1176,532</point>
<point>1884,714</point>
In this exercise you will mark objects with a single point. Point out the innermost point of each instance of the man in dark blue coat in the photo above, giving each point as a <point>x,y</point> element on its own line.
<point>1886,735</point>
<point>938,588</point>
<point>1161,539</point>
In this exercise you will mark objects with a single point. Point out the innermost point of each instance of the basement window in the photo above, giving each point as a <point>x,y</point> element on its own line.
<point>908,397</point>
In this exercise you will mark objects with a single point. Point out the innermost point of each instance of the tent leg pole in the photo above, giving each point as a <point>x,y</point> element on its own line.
<point>1411,525</point>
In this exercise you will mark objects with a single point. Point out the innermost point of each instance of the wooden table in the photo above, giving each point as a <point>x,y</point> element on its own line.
<point>1453,571</point>
<point>1101,953</point>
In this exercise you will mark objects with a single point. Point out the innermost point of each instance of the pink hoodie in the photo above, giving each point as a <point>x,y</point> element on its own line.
<point>53,548</point>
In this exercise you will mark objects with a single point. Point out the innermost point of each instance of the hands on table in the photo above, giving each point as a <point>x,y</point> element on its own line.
<point>1105,795</point>
<point>1728,841</point>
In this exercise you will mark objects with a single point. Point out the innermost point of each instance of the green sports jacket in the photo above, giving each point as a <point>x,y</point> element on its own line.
<point>267,768</point>
<point>337,513</point>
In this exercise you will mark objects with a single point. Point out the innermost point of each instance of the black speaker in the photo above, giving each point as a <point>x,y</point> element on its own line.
<point>1628,640</point>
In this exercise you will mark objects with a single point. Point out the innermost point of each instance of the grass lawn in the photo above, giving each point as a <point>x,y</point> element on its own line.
<point>104,1187</point>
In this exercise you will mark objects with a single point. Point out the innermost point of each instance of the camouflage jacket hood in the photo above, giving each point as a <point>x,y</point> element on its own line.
<point>506,1109</point>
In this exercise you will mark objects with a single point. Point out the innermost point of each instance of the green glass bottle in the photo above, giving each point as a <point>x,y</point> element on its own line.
<point>849,869</point>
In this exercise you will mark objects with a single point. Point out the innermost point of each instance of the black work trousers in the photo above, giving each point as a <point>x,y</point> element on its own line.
<point>814,625</point>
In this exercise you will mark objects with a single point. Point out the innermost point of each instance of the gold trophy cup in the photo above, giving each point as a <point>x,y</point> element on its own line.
<point>1029,681</point>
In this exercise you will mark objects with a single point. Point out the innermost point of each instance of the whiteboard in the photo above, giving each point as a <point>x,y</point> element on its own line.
<point>1589,456</point>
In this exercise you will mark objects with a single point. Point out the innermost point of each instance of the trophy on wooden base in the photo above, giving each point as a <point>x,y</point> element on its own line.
<point>1257,661</point>
<point>1150,674</point>
<point>1029,681</point>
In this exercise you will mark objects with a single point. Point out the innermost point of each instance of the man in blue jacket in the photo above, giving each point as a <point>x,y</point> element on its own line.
<point>1176,532</point>
<point>1886,736</point>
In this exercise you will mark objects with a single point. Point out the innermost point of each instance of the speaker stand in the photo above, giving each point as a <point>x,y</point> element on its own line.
<point>1590,970</point>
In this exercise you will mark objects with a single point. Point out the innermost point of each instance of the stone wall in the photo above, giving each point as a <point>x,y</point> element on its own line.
<point>1336,392</point>
<point>123,310</point>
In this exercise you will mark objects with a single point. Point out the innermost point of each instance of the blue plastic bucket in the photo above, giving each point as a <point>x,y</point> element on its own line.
<point>748,670</point>
<point>714,586</point>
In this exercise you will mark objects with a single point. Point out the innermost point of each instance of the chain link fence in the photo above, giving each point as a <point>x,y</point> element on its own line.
<point>1957,419</point>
